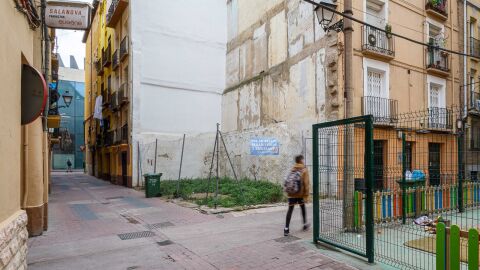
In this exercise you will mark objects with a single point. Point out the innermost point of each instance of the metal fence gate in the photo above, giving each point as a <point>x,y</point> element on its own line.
<point>376,177</point>
<point>343,163</point>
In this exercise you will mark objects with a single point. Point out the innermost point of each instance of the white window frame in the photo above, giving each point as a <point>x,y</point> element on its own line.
<point>437,24</point>
<point>442,100</point>
<point>385,7</point>
<point>370,64</point>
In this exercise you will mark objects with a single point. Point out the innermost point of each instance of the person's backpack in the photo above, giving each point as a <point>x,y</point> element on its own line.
<point>293,182</point>
<point>69,163</point>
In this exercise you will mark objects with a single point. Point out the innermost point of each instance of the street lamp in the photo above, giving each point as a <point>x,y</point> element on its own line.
<point>67,98</point>
<point>325,16</point>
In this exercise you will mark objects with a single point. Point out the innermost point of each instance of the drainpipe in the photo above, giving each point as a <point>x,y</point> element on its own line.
<point>349,91</point>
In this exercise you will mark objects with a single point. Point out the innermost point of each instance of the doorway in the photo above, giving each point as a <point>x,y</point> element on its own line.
<point>124,169</point>
<point>378,163</point>
<point>434,163</point>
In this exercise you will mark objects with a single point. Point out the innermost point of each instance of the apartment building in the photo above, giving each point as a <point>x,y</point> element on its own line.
<point>107,90</point>
<point>471,85</point>
<point>156,66</point>
<point>398,77</point>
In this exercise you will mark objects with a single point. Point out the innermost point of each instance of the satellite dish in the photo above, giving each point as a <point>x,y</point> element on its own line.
<point>34,94</point>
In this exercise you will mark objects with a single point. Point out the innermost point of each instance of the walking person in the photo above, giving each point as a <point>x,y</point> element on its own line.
<point>69,166</point>
<point>297,186</point>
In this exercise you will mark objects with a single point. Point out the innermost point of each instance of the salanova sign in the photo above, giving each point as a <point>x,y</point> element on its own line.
<point>67,15</point>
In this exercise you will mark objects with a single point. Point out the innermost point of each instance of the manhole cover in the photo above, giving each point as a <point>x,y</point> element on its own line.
<point>135,235</point>
<point>165,243</point>
<point>287,239</point>
<point>160,225</point>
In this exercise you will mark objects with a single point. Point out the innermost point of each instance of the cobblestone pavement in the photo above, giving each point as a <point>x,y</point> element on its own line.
<point>96,225</point>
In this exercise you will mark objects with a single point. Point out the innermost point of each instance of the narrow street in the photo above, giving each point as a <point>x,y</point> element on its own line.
<point>96,225</point>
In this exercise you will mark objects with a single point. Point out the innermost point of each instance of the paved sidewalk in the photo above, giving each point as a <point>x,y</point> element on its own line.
<point>96,225</point>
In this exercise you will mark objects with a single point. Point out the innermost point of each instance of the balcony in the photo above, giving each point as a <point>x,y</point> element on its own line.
<point>377,43</point>
<point>437,62</point>
<point>124,138</point>
<point>105,98</point>
<point>99,67</point>
<point>440,118</point>
<point>437,9</point>
<point>123,94</point>
<point>108,138</point>
<point>107,56</point>
<point>474,47</point>
<point>115,101</point>
<point>99,140</point>
<point>115,60</point>
<point>474,102</point>
<point>124,48</point>
<point>115,12</point>
<point>384,110</point>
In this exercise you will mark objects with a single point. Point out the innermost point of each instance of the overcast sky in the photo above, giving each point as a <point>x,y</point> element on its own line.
<point>69,42</point>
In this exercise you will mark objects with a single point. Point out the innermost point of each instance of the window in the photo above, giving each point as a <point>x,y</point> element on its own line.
<point>475,133</point>
<point>374,83</point>
<point>408,154</point>
<point>434,164</point>
<point>376,12</point>
<point>434,95</point>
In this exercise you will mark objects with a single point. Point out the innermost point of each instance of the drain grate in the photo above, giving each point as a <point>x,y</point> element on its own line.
<point>160,225</point>
<point>165,243</point>
<point>135,235</point>
<point>287,239</point>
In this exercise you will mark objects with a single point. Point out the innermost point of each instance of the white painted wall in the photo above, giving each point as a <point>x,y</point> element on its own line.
<point>177,67</point>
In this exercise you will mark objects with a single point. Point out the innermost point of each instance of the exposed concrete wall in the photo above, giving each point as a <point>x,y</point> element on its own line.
<point>177,71</point>
<point>281,78</point>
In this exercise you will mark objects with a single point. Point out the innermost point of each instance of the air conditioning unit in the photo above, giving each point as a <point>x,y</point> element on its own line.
<point>477,104</point>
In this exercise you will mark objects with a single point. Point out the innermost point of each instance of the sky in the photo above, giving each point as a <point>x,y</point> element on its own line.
<point>69,42</point>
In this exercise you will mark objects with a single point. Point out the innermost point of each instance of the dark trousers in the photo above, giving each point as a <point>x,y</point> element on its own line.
<point>291,205</point>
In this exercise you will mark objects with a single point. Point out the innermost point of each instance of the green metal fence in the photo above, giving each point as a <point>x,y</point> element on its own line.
<point>373,177</point>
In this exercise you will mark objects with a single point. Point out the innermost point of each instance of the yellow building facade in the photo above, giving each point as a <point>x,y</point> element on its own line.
<point>108,151</point>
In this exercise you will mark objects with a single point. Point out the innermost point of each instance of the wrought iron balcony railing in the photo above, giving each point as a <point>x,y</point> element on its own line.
<point>123,93</point>
<point>474,46</point>
<point>440,118</point>
<point>116,59</point>
<point>107,56</point>
<point>108,138</point>
<point>383,110</point>
<point>437,6</point>
<point>124,138</point>
<point>437,59</point>
<point>377,41</point>
<point>124,48</point>
<point>115,12</point>
<point>474,103</point>
<point>99,67</point>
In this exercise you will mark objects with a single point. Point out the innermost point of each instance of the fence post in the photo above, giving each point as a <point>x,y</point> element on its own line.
<point>473,249</point>
<point>454,247</point>
<point>369,224</point>
<point>404,183</point>
<point>440,247</point>
<point>460,172</point>
<point>315,185</point>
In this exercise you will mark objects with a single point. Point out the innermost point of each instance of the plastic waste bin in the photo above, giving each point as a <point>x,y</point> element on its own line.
<point>152,185</point>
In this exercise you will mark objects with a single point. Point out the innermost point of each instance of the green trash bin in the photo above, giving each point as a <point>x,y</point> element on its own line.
<point>152,185</point>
